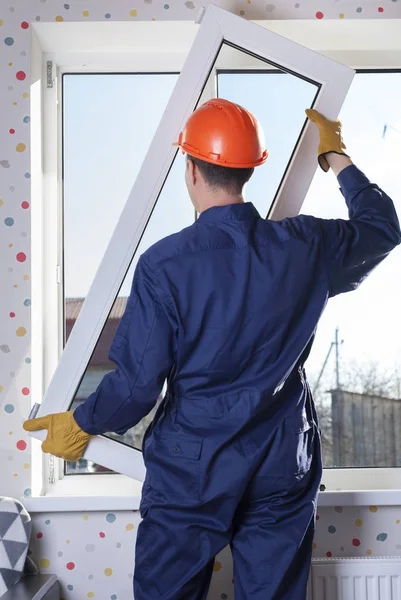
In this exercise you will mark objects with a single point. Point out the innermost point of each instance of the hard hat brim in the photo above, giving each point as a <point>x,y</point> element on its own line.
<point>218,162</point>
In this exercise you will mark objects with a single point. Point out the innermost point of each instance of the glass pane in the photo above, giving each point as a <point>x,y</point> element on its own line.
<point>108,124</point>
<point>173,210</point>
<point>278,100</point>
<point>105,142</point>
<point>358,394</point>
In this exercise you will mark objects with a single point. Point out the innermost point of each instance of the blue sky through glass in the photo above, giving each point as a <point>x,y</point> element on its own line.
<point>109,122</point>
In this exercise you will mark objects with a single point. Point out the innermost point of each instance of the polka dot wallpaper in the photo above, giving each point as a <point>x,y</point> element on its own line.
<point>93,553</point>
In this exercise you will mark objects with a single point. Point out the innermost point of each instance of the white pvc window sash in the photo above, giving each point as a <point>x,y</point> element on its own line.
<point>217,27</point>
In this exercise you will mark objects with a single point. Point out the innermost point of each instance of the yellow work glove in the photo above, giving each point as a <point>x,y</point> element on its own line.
<point>64,439</point>
<point>330,137</point>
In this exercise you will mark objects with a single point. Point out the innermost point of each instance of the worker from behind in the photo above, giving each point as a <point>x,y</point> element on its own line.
<point>226,311</point>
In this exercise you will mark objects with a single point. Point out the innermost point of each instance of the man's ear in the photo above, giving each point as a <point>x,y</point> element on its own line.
<point>193,171</point>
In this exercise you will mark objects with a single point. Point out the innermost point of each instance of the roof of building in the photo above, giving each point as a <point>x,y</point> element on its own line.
<point>100,356</point>
<point>73,308</point>
<point>365,396</point>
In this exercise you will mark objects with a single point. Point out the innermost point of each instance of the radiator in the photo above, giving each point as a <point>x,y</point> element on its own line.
<point>355,579</point>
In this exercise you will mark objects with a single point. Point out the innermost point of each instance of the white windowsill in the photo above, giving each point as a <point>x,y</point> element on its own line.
<point>76,493</point>
<point>49,503</point>
<point>360,498</point>
<point>114,492</point>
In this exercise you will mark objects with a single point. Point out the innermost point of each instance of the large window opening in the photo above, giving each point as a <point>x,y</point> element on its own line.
<point>355,364</point>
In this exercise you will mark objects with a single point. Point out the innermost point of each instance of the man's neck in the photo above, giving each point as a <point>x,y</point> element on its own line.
<point>220,200</point>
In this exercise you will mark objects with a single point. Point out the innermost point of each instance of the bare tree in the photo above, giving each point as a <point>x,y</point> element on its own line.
<point>371,378</point>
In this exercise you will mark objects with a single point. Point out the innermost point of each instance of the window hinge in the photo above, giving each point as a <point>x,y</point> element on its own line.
<point>51,472</point>
<point>58,274</point>
<point>49,73</point>
<point>34,411</point>
<point>51,476</point>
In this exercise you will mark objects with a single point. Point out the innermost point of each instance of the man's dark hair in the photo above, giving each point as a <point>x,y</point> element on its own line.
<point>229,179</point>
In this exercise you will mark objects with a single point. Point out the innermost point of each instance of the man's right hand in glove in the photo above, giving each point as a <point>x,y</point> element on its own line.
<point>65,438</point>
<point>331,148</point>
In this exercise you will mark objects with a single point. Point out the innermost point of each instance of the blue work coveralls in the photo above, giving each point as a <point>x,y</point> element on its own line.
<point>227,310</point>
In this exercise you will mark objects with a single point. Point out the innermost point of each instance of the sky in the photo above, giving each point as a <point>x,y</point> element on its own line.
<point>109,121</point>
<point>368,318</point>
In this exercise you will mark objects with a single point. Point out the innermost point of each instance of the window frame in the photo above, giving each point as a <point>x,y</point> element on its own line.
<point>217,27</point>
<point>339,480</point>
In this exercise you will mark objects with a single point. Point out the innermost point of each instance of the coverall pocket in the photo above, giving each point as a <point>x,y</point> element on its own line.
<point>300,438</point>
<point>177,462</point>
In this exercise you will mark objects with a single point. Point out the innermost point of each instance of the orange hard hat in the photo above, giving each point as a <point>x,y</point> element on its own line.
<point>225,134</point>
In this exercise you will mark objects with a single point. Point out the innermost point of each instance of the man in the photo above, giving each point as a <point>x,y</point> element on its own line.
<point>226,311</point>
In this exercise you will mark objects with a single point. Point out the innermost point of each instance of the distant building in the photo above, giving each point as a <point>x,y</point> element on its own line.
<point>364,431</point>
<point>99,366</point>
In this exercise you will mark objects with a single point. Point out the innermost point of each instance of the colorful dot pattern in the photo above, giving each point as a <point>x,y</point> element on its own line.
<point>103,544</point>
<point>97,560</point>
<point>353,531</point>
<point>86,565</point>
